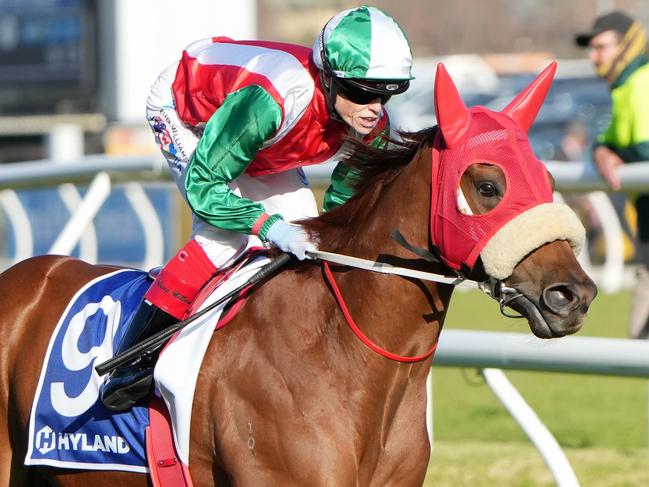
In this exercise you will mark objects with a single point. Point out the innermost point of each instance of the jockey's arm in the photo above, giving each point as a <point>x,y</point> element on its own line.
<point>230,141</point>
<point>342,178</point>
<point>340,189</point>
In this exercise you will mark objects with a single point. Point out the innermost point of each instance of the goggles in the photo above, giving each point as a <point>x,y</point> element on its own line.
<point>363,92</point>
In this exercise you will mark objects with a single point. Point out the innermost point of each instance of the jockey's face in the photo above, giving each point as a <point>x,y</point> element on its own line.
<point>361,118</point>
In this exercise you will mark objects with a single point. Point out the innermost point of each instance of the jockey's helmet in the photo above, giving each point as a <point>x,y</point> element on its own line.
<point>365,54</point>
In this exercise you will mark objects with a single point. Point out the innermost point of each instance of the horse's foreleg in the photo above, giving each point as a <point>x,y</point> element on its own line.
<point>5,449</point>
<point>13,472</point>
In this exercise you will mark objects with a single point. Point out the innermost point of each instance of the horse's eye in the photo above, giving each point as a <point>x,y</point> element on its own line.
<point>488,190</point>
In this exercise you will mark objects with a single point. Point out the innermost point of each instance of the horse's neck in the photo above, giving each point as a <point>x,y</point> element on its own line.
<point>404,204</point>
<point>403,316</point>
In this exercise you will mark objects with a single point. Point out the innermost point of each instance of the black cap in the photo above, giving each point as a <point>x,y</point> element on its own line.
<point>617,21</point>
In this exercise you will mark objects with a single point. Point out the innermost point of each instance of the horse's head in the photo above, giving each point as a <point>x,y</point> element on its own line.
<point>493,204</point>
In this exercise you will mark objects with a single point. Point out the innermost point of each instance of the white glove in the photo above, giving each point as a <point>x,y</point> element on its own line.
<point>290,238</point>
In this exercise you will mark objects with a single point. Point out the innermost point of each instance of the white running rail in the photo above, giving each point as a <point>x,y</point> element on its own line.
<point>487,351</point>
<point>101,174</point>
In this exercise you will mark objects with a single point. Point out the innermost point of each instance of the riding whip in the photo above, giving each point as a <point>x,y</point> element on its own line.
<point>154,342</point>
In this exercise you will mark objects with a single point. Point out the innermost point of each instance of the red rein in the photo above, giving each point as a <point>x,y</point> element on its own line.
<point>369,343</point>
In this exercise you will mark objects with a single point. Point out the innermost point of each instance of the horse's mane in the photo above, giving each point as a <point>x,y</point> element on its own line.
<point>373,168</point>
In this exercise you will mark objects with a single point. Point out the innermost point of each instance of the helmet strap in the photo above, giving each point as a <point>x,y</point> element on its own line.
<point>330,96</point>
<point>327,72</point>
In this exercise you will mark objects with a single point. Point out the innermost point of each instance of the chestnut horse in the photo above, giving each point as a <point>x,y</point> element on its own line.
<point>288,394</point>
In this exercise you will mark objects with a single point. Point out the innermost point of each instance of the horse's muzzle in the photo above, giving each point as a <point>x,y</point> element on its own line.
<point>560,309</point>
<point>566,298</point>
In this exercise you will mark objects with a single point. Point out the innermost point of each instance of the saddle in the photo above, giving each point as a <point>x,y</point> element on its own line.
<point>70,427</point>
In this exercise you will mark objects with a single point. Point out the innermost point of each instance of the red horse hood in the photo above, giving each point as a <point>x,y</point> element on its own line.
<point>502,237</point>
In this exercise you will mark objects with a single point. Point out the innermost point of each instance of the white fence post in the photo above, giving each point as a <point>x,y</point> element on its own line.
<point>612,275</point>
<point>24,239</point>
<point>153,235</point>
<point>530,423</point>
<point>97,193</point>
<point>64,142</point>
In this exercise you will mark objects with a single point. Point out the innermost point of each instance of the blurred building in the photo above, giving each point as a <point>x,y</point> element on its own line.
<point>439,27</point>
<point>75,74</point>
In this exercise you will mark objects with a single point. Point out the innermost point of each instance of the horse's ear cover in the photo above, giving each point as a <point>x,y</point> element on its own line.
<point>525,107</point>
<point>504,235</point>
<point>453,117</point>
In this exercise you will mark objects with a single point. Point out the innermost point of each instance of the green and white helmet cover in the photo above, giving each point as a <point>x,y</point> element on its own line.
<point>364,43</point>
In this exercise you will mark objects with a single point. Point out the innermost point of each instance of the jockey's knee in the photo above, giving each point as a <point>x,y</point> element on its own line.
<point>178,283</point>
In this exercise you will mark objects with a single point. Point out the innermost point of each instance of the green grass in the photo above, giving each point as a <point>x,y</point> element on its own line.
<point>483,464</point>
<point>601,421</point>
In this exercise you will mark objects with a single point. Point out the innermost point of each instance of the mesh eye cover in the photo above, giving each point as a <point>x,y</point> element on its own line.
<point>491,138</point>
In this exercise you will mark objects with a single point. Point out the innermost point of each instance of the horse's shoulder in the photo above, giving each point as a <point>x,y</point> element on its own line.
<point>296,287</point>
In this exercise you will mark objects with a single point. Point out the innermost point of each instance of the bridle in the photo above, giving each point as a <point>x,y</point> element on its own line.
<point>494,288</point>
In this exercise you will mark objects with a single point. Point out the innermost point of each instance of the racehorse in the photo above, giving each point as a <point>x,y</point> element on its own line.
<point>288,394</point>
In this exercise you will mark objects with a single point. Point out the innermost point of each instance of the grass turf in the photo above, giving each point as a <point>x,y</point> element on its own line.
<point>483,464</point>
<point>601,421</point>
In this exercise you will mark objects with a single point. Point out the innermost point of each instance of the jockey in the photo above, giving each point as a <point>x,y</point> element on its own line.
<point>236,121</point>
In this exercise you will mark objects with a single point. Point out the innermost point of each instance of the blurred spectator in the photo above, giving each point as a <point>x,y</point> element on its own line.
<point>574,147</point>
<point>573,144</point>
<point>618,49</point>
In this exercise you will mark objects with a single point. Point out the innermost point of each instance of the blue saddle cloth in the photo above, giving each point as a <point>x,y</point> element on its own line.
<point>69,426</point>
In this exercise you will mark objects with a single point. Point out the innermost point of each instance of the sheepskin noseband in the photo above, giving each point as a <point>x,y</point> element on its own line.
<point>526,216</point>
<point>539,225</point>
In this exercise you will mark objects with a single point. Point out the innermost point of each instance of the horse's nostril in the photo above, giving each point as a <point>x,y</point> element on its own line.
<point>560,298</point>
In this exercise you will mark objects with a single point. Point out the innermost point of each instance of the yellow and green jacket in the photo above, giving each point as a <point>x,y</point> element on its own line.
<point>628,133</point>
